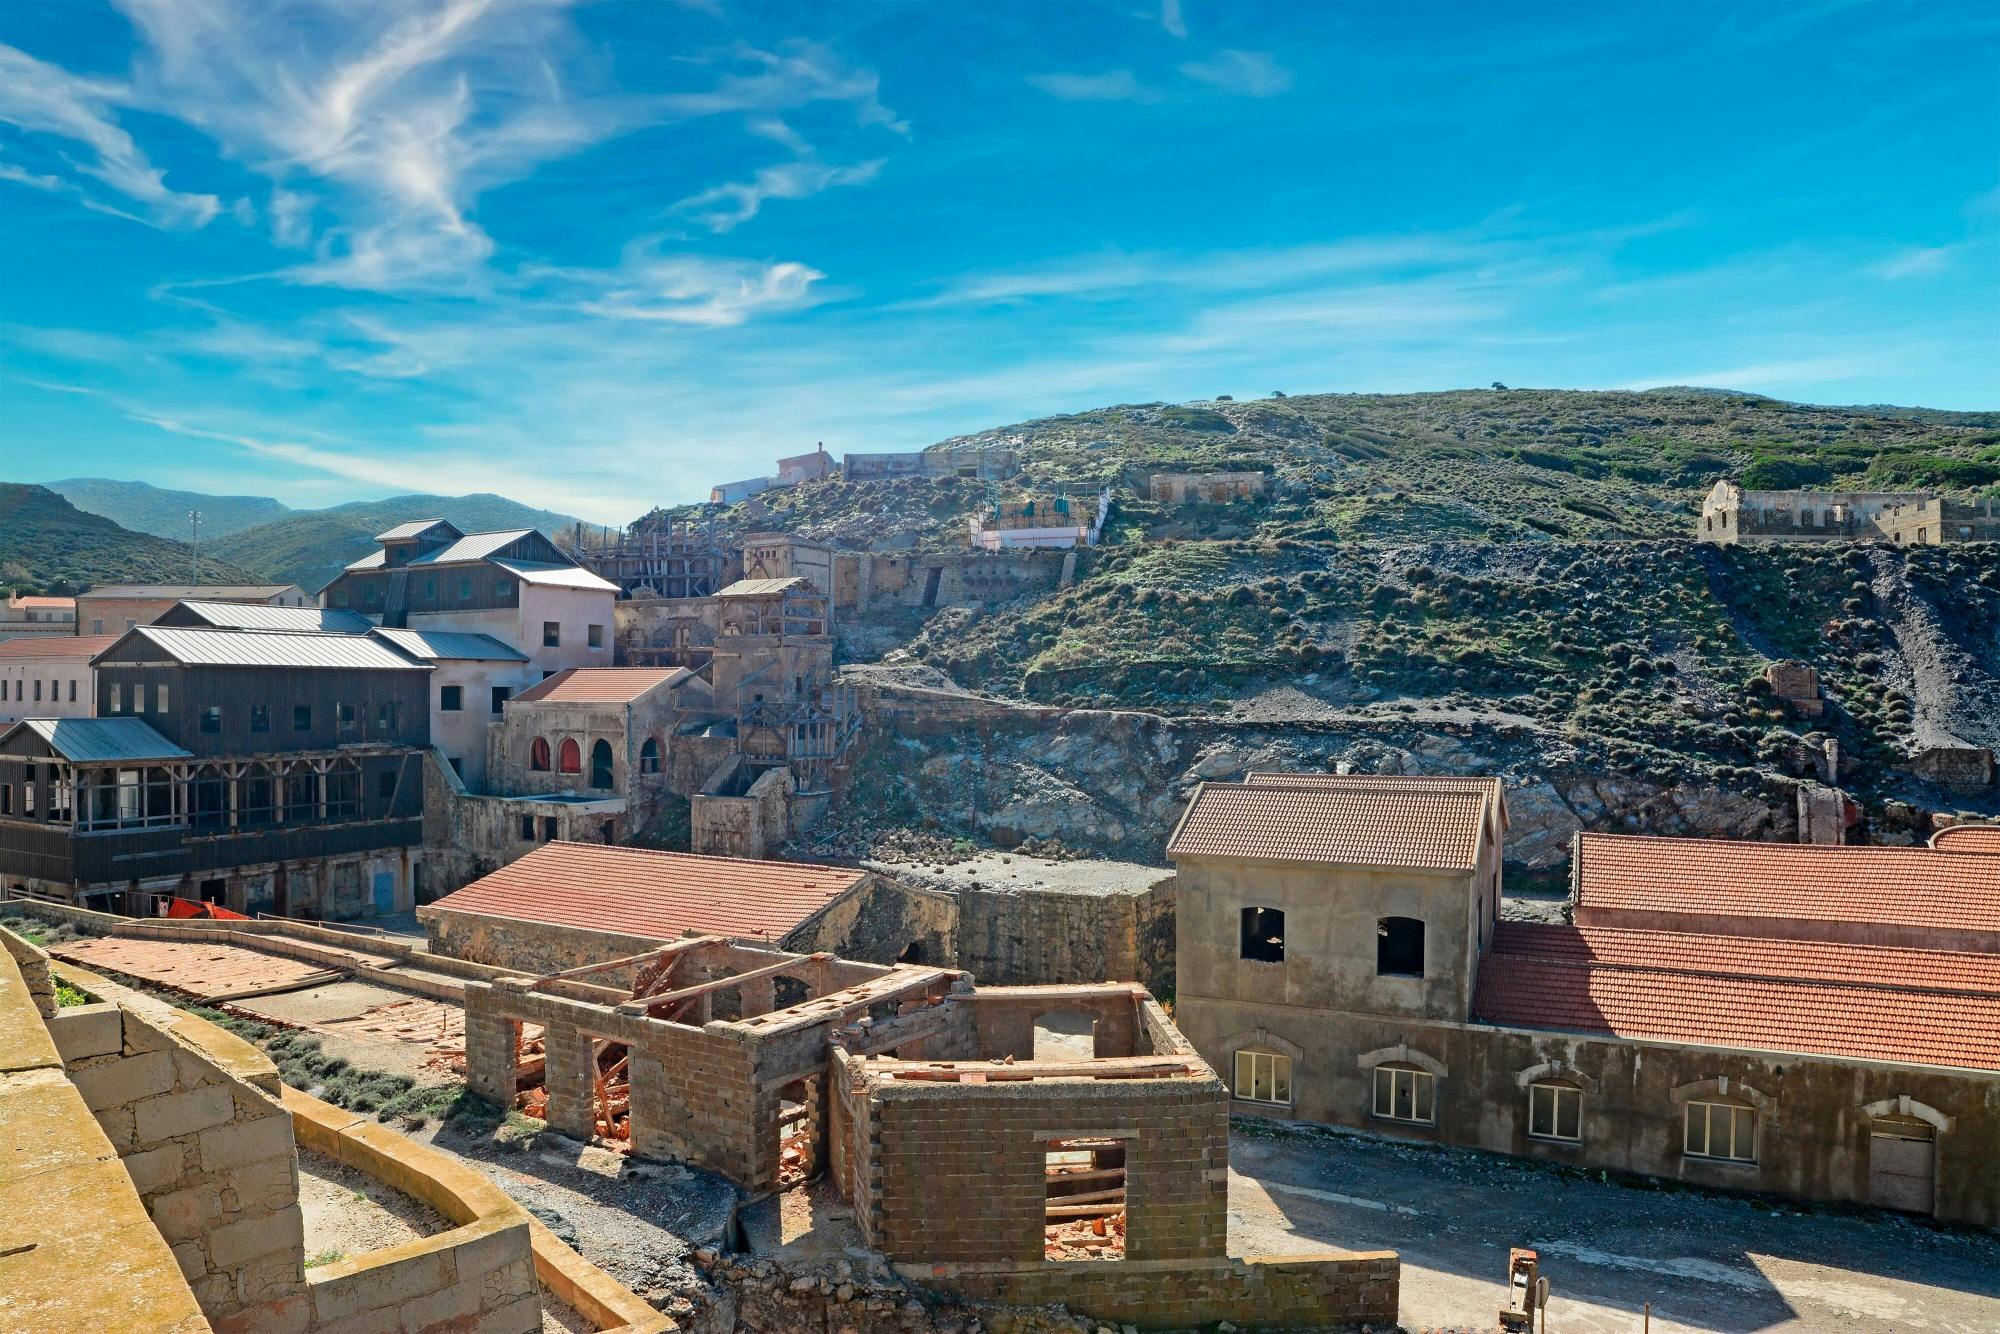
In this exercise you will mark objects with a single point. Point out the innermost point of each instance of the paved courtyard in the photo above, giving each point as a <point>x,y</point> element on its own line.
<point>1706,1262</point>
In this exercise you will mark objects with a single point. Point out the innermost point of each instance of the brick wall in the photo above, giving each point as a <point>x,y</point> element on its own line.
<point>210,1154</point>
<point>959,1169</point>
<point>1296,1292</point>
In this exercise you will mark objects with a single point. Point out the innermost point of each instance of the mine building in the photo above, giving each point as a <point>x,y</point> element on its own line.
<point>1206,488</point>
<point>1815,1021</point>
<point>1731,515</point>
<point>263,770</point>
<point>26,616</point>
<point>516,586</point>
<point>49,676</point>
<point>116,608</point>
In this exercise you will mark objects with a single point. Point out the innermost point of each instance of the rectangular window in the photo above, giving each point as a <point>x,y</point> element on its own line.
<point>211,719</point>
<point>1263,1076</point>
<point>159,699</point>
<point>503,588</point>
<point>302,718</point>
<point>38,691</point>
<point>1403,1094</point>
<point>385,784</point>
<point>97,625</point>
<point>260,717</point>
<point>1263,935</point>
<point>548,828</point>
<point>457,765</point>
<point>465,588</point>
<point>551,634</point>
<point>1555,1111</point>
<point>501,694</point>
<point>344,714</point>
<point>117,698</point>
<point>5,686</point>
<point>72,692</point>
<point>451,699</point>
<point>1721,1130</point>
<point>595,636</point>
<point>1399,947</point>
<point>527,829</point>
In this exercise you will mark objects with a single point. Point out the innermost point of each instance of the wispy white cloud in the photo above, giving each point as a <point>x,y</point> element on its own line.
<point>1248,73</point>
<point>1919,262</point>
<point>691,289</point>
<point>46,99</point>
<point>1118,85</point>
<point>1171,20</point>
<point>291,217</point>
<point>723,207</point>
<point>1767,375</point>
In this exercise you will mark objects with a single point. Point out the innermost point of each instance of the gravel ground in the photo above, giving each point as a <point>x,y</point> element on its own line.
<point>1011,870</point>
<point>349,1213</point>
<point>1705,1262</point>
<point>337,1002</point>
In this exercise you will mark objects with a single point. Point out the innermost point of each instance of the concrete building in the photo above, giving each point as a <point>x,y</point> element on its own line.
<point>472,678</point>
<point>262,770</point>
<point>1814,1021</point>
<point>1730,515</point>
<point>516,586</point>
<point>982,462</point>
<point>801,468</point>
<point>29,617</point>
<point>731,493</point>
<point>1040,521</point>
<point>1207,488</point>
<point>115,608</point>
<point>49,676</point>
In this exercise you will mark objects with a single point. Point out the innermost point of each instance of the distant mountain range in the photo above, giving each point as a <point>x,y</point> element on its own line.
<point>48,545</point>
<point>276,542</point>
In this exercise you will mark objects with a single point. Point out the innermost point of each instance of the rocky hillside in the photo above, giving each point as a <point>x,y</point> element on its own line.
<point>49,546</point>
<point>1479,465</point>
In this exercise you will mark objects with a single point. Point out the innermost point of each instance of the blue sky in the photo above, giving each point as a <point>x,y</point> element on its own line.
<point>599,256</point>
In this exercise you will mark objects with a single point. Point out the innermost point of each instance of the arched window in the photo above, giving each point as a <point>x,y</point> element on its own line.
<point>572,757</point>
<point>1262,1076</point>
<point>1721,1129</point>
<point>600,764</point>
<point>1405,1093</point>
<point>538,755</point>
<point>649,756</point>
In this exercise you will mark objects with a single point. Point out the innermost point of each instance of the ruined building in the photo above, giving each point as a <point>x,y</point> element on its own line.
<point>1730,514</point>
<point>1207,488</point>
<point>1816,1021</point>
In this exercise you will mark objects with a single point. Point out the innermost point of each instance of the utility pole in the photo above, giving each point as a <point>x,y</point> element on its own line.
<point>194,548</point>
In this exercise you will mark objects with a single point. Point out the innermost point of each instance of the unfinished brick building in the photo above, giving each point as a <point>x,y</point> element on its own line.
<point>1100,1181</point>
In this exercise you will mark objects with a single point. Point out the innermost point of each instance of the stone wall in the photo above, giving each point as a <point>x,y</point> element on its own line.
<point>1278,1292</point>
<point>1031,937</point>
<point>210,1154</point>
<point>730,821</point>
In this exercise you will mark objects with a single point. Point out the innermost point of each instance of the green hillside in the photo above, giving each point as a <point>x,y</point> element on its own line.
<point>164,513</point>
<point>309,547</point>
<point>49,546</point>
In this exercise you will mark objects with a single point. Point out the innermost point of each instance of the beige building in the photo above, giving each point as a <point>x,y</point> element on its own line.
<point>23,617</point>
<point>111,609</point>
<point>1207,488</point>
<point>1731,515</point>
<point>50,676</point>
<point>1814,1021</point>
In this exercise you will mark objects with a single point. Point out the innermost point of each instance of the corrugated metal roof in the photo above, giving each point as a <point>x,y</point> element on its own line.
<point>1421,830</point>
<point>657,895</point>
<point>185,592</point>
<point>256,616</point>
<point>598,685</point>
<point>451,644</point>
<point>101,740</point>
<point>414,528</point>
<point>57,646</point>
<point>370,561</point>
<point>207,647</point>
<point>753,588</point>
<point>473,546</point>
<point>566,576</point>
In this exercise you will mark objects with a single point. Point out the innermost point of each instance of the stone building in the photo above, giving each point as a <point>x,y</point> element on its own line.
<point>1730,515</point>
<point>984,463</point>
<point>1814,1021</point>
<point>25,616</point>
<point>1048,521</point>
<point>1207,488</point>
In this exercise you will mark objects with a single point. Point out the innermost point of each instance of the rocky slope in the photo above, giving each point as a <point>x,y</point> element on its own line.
<point>49,546</point>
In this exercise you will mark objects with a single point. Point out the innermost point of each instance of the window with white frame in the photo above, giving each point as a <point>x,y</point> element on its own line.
<point>1405,1093</point>
<point>1555,1111</point>
<point>1263,1076</point>
<point>1723,1130</point>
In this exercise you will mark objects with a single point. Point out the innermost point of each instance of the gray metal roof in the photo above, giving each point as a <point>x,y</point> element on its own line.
<point>414,528</point>
<point>185,592</point>
<point>206,647</point>
<point>471,547</point>
<point>101,740</point>
<point>256,616</point>
<point>566,576</point>
<point>440,644</point>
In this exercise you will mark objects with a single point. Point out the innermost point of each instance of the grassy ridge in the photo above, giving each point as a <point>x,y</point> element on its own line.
<point>49,546</point>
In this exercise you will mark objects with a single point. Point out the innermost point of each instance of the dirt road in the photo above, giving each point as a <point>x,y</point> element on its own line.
<point>1706,1262</point>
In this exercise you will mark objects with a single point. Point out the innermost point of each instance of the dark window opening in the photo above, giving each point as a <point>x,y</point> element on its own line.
<point>649,756</point>
<point>912,953</point>
<point>211,719</point>
<point>1399,947</point>
<point>1264,935</point>
<point>302,718</point>
<point>548,828</point>
<point>385,784</point>
<point>260,717</point>
<point>538,755</point>
<point>600,765</point>
<point>551,634</point>
<point>501,694</point>
<point>451,699</point>
<point>527,829</point>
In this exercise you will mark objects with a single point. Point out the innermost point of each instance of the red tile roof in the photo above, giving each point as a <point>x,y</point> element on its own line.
<point>1788,883</point>
<point>597,685</point>
<point>659,895</point>
<point>1979,838</point>
<point>85,647</point>
<point>1920,1006</point>
<point>1400,827</point>
<point>1491,788</point>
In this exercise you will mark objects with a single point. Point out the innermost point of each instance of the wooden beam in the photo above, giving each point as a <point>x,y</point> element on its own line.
<point>1082,1210</point>
<point>663,951</point>
<point>651,1003</point>
<point>1116,1195</point>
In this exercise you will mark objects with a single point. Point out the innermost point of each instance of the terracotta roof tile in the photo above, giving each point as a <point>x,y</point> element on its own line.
<point>1979,838</point>
<point>57,646</point>
<point>659,895</point>
<point>597,685</point>
<point>1491,788</point>
<point>1423,830</point>
<point>1797,884</point>
<point>1565,979</point>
